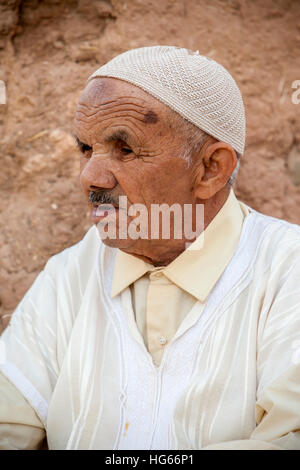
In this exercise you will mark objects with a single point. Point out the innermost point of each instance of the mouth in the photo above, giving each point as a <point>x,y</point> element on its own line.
<point>100,211</point>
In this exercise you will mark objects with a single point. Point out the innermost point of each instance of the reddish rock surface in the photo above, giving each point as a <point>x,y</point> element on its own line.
<point>47,51</point>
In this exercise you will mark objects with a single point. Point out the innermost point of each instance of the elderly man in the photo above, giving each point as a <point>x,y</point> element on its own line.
<point>155,342</point>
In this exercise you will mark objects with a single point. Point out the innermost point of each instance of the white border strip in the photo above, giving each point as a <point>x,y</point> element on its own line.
<point>31,394</point>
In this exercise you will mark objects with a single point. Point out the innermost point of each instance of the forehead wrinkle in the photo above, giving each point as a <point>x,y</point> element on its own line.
<point>104,99</point>
<point>124,100</point>
<point>83,126</point>
<point>126,118</point>
<point>79,104</point>
<point>92,122</point>
<point>133,128</point>
<point>103,115</point>
<point>111,104</point>
<point>137,130</point>
<point>132,109</point>
<point>130,103</point>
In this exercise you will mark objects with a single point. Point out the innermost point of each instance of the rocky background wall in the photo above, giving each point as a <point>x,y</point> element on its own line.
<point>48,48</point>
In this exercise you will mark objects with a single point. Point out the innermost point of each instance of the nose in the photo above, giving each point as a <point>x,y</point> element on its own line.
<point>96,175</point>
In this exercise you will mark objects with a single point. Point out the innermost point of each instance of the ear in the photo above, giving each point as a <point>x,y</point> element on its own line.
<point>214,169</point>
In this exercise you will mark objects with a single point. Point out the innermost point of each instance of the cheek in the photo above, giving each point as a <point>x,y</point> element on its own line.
<point>164,178</point>
<point>150,184</point>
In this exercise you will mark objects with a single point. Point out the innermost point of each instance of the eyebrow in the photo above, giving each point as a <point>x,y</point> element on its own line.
<point>117,135</point>
<point>114,137</point>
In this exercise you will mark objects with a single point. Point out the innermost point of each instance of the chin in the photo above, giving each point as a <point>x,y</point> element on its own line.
<point>117,243</point>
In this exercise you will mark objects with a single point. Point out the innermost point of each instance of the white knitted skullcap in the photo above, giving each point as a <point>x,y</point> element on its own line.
<point>196,87</point>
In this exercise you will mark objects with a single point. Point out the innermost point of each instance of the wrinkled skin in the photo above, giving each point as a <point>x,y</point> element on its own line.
<point>132,148</point>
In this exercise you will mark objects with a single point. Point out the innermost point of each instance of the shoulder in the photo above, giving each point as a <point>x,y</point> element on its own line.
<point>279,240</point>
<point>82,255</point>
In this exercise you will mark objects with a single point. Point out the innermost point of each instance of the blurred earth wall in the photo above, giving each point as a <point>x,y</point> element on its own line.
<point>48,48</point>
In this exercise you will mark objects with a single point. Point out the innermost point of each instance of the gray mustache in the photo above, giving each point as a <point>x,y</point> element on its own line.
<point>102,198</point>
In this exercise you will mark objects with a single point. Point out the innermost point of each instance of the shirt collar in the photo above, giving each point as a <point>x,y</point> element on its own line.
<point>198,268</point>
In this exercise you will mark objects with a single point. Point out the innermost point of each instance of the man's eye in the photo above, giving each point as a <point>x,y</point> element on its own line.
<point>82,146</point>
<point>126,150</point>
<point>85,148</point>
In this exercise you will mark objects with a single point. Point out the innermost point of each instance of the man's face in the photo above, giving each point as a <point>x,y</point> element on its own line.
<point>130,148</point>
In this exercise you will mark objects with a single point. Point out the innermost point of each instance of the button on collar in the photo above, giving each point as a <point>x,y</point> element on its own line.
<point>162,340</point>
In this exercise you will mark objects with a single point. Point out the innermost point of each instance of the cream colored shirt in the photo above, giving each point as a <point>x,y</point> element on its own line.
<point>163,297</point>
<point>228,377</point>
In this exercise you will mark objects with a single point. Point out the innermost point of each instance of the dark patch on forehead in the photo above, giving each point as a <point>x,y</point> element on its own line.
<point>150,117</point>
<point>95,91</point>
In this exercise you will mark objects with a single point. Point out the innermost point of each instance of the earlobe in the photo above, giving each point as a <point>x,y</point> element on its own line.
<point>205,190</point>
